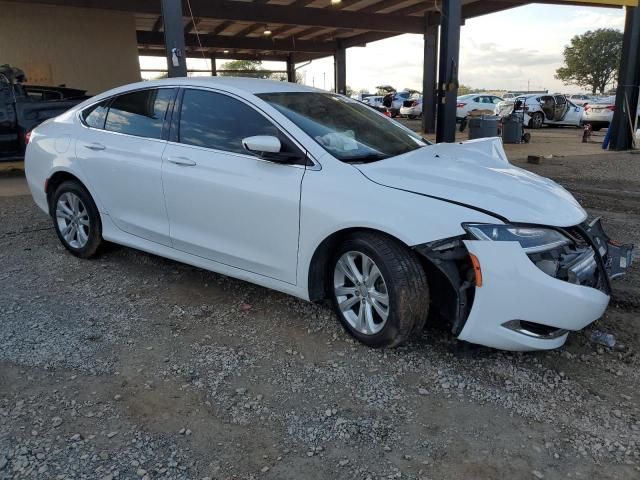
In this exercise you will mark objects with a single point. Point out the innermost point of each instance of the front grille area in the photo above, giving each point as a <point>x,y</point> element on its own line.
<point>576,263</point>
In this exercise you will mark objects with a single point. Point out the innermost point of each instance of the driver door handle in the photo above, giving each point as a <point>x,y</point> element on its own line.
<point>182,161</point>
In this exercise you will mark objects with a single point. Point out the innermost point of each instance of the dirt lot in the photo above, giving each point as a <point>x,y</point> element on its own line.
<point>132,366</point>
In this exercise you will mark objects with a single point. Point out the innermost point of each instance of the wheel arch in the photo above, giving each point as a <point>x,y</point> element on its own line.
<point>319,264</point>
<point>58,178</point>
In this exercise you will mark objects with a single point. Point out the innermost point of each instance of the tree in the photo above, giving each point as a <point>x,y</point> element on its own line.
<point>244,68</point>
<point>253,69</point>
<point>592,59</point>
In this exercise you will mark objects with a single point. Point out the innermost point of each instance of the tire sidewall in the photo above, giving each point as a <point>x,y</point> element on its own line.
<point>391,328</point>
<point>95,224</point>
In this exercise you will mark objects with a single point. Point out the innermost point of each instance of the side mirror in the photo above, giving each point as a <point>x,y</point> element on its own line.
<point>269,148</point>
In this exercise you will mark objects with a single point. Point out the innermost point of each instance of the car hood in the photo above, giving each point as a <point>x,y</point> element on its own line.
<point>477,174</point>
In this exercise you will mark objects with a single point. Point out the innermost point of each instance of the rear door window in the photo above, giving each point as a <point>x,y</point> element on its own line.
<point>140,113</point>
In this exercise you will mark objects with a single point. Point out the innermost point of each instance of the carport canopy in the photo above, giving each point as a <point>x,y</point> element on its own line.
<point>297,31</point>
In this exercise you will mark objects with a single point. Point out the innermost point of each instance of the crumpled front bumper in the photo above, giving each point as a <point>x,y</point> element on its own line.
<point>515,294</point>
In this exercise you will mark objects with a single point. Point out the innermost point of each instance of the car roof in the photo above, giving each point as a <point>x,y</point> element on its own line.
<point>239,85</point>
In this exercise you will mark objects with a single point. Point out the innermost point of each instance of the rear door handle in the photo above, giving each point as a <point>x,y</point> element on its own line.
<point>182,161</point>
<point>95,146</point>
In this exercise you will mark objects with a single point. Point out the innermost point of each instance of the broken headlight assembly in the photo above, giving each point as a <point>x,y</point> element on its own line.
<point>532,239</point>
<point>553,252</point>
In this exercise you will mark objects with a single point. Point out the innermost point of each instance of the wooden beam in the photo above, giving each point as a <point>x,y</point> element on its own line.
<point>246,30</point>
<point>248,43</point>
<point>220,27</point>
<point>364,38</point>
<point>192,24</point>
<point>157,25</point>
<point>383,5</point>
<point>283,30</point>
<point>419,7</point>
<point>222,56</point>
<point>309,31</point>
<point>268,13</point>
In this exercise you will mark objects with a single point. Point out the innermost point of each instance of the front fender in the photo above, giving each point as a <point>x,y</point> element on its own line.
<point>328,207</point>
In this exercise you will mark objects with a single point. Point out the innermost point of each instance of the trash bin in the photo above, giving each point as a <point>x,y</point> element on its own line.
<point>512,128</point>
<point>483,126</point>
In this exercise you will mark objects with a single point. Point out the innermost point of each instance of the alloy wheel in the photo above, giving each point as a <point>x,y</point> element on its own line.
<point>361,293</point>
<point>73,220</point>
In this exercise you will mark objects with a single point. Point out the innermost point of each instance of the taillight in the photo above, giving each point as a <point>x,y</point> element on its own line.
<point>586,107</point>
<point>612,108</point>
<point>460,105</point>
<point>387,113</point>
<point>27,137</point>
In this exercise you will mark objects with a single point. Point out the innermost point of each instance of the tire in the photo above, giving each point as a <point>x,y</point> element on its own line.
<point>596,129</point>
<point>82,236</point>
<point>401,276</point>
<point>537,120</point>
<point>412,117</point>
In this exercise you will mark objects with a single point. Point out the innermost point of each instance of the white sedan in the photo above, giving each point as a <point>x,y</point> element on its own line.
<point>316,195</point>
<point>474,102</point>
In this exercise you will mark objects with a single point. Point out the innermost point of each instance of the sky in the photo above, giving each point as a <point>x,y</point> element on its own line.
<point>515,49</point>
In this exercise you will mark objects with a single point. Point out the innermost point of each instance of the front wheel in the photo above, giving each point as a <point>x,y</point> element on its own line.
<point>379,290</point>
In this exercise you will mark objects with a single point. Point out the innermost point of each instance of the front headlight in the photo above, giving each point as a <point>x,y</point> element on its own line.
<point>532,239</point>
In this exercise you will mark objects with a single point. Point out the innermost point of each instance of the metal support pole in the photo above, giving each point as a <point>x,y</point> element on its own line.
<point>450,22</point>
<point>174,38</point>
<point>626,112</point>
<point>291,69</point>
<point>340,69</point>
<point>429,75</point>
<point>214,68</point>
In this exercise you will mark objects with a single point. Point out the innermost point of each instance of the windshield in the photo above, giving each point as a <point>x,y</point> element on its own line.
<point>347,129</point>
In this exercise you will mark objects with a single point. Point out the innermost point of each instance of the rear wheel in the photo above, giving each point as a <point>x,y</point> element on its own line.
<point>76,219</point>
<point>379,290</point>
<point>537,120</point>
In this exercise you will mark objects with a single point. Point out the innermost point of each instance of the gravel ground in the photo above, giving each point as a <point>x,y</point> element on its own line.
<point>133,366</point>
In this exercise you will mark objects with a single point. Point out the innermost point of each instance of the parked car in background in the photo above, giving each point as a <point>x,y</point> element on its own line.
<point>508,96</point>
<point>23,107</point>
<point>393,99</point>
<point>299,190</point>
<point>542,110</point>
<point>582,99</point>
<point>475,101</point>
<point>373,100</point>
<point>412,108</point>
<point>599,114</point>
<point>44,92</point>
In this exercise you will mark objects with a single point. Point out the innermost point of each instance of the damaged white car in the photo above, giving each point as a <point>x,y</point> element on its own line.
<point>540,110</point>
<point>319,196</point>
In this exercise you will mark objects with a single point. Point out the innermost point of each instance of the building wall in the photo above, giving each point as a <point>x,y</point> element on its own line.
<point>83,48</point>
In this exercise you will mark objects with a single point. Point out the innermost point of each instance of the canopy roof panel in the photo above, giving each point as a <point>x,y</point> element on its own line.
<point>306,29</point>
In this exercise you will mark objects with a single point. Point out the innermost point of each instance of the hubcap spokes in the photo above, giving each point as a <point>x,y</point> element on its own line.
<point>361,293</point>
<point>73,220</point>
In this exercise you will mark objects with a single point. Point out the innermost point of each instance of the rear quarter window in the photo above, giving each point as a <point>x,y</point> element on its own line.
<point>95,115</point>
